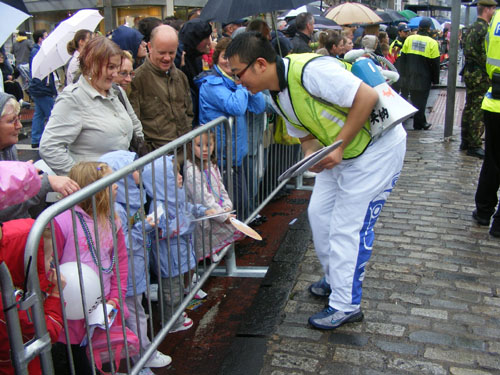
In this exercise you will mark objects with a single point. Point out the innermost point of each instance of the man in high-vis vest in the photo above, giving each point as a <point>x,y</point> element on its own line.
<point>420,68</point>
<point>489,178</point>
<point>321,102</point>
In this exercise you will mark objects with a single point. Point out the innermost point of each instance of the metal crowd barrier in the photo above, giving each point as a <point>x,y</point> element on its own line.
<point>264,163</point>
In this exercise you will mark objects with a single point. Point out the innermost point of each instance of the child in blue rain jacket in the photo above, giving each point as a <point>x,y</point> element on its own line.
<point>175,254</point>
<point>138,265</point>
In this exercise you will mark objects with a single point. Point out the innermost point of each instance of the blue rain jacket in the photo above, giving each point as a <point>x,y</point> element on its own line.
<point>135,249</point>
<point>221,96</point>
<point>176,252</point>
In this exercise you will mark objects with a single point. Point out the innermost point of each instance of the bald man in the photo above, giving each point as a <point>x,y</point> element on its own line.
<point>160,92</point>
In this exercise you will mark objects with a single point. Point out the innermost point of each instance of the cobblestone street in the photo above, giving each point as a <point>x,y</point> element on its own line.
<point>431,291</point>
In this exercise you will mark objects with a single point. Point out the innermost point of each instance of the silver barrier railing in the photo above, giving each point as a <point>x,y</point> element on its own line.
<point>277,158</point>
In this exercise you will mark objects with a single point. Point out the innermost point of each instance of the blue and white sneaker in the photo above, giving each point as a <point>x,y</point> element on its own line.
<point>330,318</point>
<point>320,288</point>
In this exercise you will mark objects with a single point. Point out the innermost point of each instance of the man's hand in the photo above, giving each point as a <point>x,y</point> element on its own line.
<point>328,162</point>
<point>63,185</point>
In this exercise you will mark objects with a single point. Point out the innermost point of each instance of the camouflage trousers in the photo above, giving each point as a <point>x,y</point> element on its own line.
<point>472,116</point>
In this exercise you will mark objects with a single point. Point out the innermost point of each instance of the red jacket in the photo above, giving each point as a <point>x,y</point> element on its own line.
<point>12,244</point>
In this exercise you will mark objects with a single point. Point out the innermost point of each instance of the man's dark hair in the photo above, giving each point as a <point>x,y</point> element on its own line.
<point>22,33</point>
<point>38,34</point>
<point>249,46</point>
<point>302,20</point>
<point>146,25</point>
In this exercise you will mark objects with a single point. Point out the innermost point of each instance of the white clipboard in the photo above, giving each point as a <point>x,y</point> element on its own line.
<point>214,215</point>
<point>306,163</point>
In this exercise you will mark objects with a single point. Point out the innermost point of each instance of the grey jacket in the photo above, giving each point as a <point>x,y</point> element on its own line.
<point>85,125</point>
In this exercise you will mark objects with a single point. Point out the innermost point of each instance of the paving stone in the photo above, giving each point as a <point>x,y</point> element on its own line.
<point>480,288</point>
<point>468,318</point>
<point>416,366</point>
<point>463,295</point>
<point>352,339</point>
<point>397,347</point>
<point>467,371</point>
<point>448,304</point>
<point>303,348</point>
<point>359,357</point>
<point>294,362</point>
<point>426,291</point>
<point>408,298</point>
<point>410,320</point>
<point>494,347</point>
<point>430,313</point>
<point>453,356</point>
<point>391,307</point>
<point>431,338</point>
<point>385,329</point>
<point>299,332</point>
<point>442,266</point>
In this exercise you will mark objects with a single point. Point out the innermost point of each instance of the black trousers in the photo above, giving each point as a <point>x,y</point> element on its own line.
<point>489,178</point>
<point>419,100</point>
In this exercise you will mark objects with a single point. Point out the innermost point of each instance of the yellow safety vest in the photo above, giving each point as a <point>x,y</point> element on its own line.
<point>316,116</point>
<point>421,45</point>
<point>492,45</point>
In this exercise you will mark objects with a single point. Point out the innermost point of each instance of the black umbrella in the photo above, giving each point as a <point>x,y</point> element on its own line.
<point>18,4</point>
<point>230,10</point>
<point>390,16</point>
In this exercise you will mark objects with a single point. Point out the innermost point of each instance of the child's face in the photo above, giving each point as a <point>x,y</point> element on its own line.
<point>201,146</point>
<point>179,180</point>
<point>48,254</point>
<point>114,187</point>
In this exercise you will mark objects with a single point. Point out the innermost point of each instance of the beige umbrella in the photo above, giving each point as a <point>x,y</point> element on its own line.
<point>352,13</point>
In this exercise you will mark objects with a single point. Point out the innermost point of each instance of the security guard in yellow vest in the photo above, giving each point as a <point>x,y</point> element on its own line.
<point>395,49</point>
<point>322,102</point>
<point>420,68</point>
<point>489,178</point>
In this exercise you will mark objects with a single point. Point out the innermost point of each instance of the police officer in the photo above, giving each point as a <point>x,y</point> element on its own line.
<point>489,178</point>
<point>476,80</point>
<point>420,67</point>
<point>395,49</point>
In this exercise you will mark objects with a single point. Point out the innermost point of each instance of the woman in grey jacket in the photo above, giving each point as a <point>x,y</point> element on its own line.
<point>88,119</point>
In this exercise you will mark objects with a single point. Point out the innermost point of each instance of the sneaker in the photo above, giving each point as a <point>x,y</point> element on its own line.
<point>309,174</point>
<point>153,292</point>
<point>320,288</point>
<point>159,360</point>
<point>215,257</point>
<point>145,371</point>
<point>480,220</point>
<point>200,294</point>
<point>330,318</point>
<point>188,323</point>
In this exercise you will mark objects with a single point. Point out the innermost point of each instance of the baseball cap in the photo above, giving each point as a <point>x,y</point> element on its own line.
<point>425,23</point>
<point>403,27</point>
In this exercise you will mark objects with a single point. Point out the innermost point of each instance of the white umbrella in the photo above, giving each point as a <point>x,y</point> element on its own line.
<point>10,19</point>
<point>53,53</point>
<point>303,9</point>
<point>352,13</point>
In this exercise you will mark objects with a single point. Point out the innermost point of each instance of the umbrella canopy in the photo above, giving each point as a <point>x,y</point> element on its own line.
<point>53,53</point>
<point>352,13</point>
<point>325,23</point>
<point>413,24</point>
<point>10,18</point>
<point>391,16</point>
<point>230,10</point>
<point>408,14</point>
<point>18,4</point>
<point>304,8</point>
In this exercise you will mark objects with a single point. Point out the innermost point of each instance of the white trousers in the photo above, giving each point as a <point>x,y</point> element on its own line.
<point>345,204</point>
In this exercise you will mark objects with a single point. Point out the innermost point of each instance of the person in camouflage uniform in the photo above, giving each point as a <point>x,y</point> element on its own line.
<point>476,80</point>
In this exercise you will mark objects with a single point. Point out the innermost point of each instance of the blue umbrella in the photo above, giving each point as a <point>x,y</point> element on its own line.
<point>414,22</point>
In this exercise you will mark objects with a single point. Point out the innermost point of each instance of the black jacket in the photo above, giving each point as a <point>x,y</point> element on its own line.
<point>300,43</point>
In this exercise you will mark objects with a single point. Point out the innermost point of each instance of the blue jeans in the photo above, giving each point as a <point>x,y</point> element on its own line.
<point>43,107</point>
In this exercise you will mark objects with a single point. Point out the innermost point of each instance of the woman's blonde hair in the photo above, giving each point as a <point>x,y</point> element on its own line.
<point>11,103</point>
<point>85,173</point>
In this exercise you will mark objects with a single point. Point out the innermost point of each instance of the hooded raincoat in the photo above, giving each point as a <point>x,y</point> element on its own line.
<point>175,254</point>
<point>221,96</point>
<point>135,243</point>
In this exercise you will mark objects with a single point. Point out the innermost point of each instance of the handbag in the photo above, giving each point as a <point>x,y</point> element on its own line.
<point>117,342</point>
